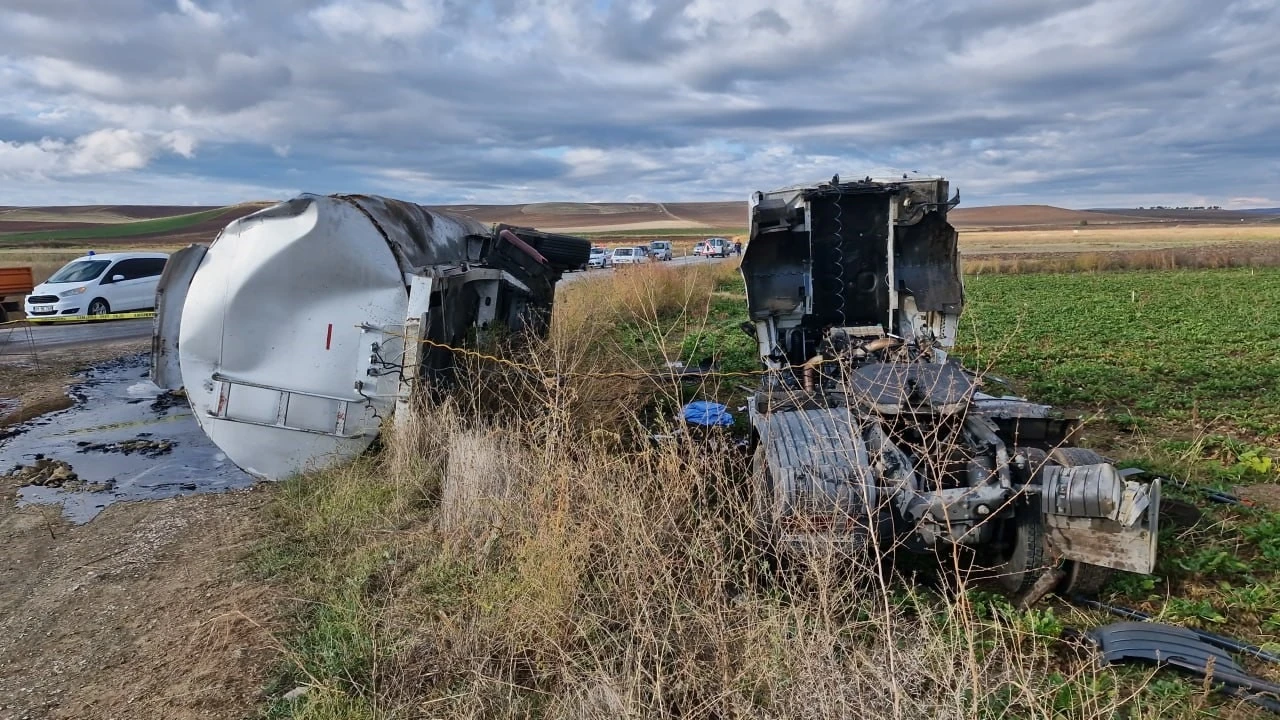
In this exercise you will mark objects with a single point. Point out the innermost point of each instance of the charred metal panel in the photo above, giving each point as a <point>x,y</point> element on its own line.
<point>927,264</point>
<point>171,293</point>
<point>776,266</point>
<point>420,237</point>
<point>850,235</point>
<point>891,388</point>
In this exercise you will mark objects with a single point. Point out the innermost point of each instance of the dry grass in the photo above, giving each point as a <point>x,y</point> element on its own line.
<point>46,261</point>
<point>549,562</point>
<point>1261,254</point>
<point>529,571</point>
<point>1099,239</point>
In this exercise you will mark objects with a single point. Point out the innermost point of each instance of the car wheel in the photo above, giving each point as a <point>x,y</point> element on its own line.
<point>98,307</point>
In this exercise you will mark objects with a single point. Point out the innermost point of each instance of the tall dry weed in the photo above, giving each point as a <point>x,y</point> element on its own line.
<point>540,566</point>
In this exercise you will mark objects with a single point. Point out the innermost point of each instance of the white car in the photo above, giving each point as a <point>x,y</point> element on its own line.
<point>599,258</point>
<point>98,285</point>
<point>628,256</point>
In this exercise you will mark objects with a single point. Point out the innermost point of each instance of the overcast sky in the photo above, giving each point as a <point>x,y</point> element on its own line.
<point>1066,102</point>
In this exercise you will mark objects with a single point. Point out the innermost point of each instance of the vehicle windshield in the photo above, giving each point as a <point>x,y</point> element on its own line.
<point>623,251</point>
<point>597,251</point>
<point>79,271</point>
<point>657,245</point>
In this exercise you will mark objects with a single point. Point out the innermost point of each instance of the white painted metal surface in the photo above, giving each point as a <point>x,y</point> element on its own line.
<point>272,351</point>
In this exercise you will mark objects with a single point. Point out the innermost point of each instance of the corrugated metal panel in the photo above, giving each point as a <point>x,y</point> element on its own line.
<point>819,462</point>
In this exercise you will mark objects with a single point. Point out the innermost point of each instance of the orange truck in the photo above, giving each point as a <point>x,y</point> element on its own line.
<point>15,284</point>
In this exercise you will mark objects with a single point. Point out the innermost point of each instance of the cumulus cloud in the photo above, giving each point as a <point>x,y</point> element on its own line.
<point>1074,102</point>
<point>377,19</point>
<point>99,152</point>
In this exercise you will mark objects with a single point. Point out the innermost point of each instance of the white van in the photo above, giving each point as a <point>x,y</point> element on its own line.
<point>627,256</point>
<point>716,247</point>
<point>98,285</point>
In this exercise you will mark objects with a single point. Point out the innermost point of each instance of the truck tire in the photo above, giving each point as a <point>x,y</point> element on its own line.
<point>1084,579</point>
<point>563,253</point>
<point>1073,456</point>
<point>1027,558</point>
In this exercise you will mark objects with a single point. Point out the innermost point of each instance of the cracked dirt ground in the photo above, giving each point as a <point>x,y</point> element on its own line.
<point>143,612</point>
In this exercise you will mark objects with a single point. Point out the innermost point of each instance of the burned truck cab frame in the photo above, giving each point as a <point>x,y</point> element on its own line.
<point>868,435</point>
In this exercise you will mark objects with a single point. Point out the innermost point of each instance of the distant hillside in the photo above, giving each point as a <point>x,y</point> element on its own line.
<point>80,226</point>
<point>611,216</point>
<point>1014,216</point>
<point>1200,216</point>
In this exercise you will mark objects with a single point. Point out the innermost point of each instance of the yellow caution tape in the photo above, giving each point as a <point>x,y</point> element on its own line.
<point>83,318</point>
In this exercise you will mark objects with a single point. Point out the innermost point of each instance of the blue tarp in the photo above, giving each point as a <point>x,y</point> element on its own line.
<point>702,412</point>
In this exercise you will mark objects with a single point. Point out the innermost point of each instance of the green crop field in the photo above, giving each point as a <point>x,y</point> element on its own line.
<point>1178,372</point>
<point>113,231</point>
<point>1190,347</point>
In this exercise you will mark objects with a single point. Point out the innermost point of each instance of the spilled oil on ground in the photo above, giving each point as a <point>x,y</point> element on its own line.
<point>123,439</point>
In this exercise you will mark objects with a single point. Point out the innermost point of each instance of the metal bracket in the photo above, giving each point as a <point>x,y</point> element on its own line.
<point>285,396</point>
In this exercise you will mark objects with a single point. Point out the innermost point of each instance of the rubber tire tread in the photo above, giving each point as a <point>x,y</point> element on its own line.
<point>1073,456</point>
<point>1027,560</point>
<point>563,253</point>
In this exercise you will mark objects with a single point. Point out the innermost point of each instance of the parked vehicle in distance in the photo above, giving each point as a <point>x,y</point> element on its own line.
<point>98,285</point>
<point>628,256</point>
<point>700,249</point>
<point>660,249</point>
<point>15,283</point>
<point>599,258</point>
<point>716,247</point>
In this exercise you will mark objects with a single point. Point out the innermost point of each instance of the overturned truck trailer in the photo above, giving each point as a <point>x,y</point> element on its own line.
<point>868,436</point>
<point>302,327</point>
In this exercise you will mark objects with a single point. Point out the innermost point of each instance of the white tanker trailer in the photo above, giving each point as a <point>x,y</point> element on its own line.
<point>299,330</point>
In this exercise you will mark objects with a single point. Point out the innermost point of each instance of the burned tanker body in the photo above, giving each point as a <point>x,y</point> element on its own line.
<point>303,326</point>
<point>869,436</point>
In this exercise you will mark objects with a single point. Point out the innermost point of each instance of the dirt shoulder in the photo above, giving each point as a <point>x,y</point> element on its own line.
<point>142,612</point>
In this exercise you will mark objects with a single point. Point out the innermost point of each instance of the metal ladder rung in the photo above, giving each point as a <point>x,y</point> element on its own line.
<point>282,408</point>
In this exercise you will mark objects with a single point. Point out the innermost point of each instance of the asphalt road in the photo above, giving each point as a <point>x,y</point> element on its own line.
<point>19,340</point>
<point>16,341</point>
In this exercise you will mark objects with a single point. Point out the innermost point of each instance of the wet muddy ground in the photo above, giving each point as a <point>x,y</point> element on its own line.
<point>123,439</point>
